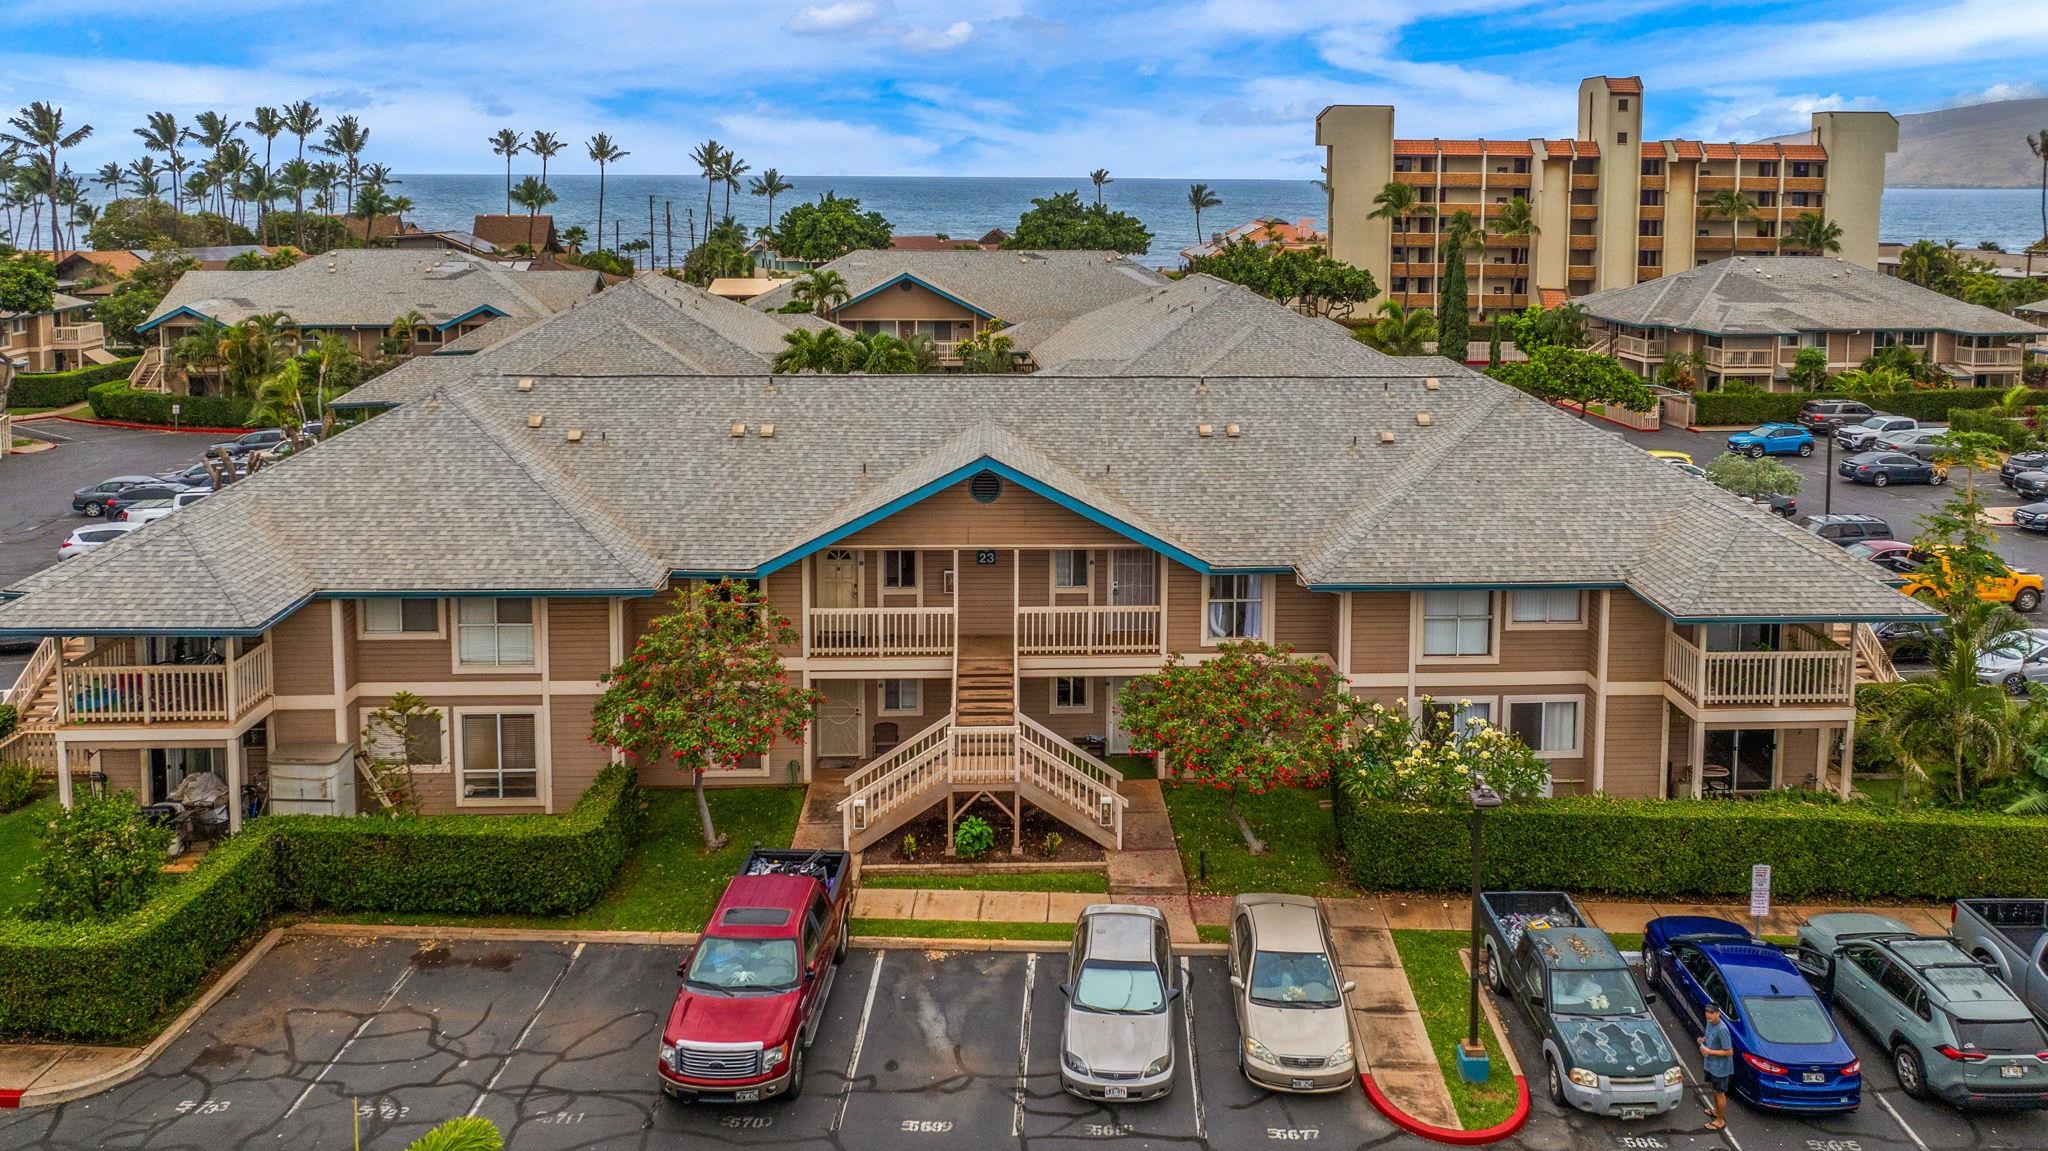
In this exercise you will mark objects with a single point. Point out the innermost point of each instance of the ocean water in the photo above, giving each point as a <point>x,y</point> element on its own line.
<point>968,206</point>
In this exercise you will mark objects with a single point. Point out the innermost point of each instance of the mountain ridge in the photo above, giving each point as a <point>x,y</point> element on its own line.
<point>1973,146</point>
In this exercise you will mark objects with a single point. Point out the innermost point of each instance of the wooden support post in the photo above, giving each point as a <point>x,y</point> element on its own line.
<point>1699,757</point>
<point>234,750</point>
<point>64,795</point>
<point>1849,755</point>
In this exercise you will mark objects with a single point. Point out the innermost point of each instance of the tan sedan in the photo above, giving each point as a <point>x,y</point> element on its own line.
<point>1291,1015</point>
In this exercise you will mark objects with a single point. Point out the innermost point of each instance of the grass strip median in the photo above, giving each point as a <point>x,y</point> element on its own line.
<point>1436,975</point>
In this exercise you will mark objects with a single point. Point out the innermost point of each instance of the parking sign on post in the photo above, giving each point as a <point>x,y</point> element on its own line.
<point>1760,894</point>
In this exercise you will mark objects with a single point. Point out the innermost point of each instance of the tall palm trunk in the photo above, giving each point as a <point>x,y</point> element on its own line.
<point>508,183</point>
<point>600,204</point>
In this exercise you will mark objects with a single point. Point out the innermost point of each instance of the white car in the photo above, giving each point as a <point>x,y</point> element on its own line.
<point>148,510</point>
<point>85,539</point>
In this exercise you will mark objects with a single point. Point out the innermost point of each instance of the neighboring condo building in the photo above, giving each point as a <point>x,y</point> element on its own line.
<point>1748,318</point>
<point>1610,208</point>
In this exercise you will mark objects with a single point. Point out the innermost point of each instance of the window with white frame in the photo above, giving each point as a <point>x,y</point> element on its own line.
<point>1462,712</point>
<point>1545,605</point>
<point>1235,603</point>
<point>900,697</point>
<point>495,632</point>
<point>1457,623</point>
<point>423,741</point>
<point>395,616</point>
<point>1070,693</point>
<point>899,569</point>
<point>500,756</point>
<point>1550,727</point>
<point>1070,569</point>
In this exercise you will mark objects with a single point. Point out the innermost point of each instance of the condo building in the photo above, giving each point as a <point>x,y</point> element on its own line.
<point>1609,208</point>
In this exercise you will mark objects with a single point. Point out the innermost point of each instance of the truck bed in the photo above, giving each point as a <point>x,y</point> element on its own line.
<point>827,867</point>
<point>2022,922</point>
<point>1512,911</point>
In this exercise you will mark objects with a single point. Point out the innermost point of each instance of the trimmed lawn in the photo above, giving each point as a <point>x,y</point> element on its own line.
<point>1087,882</point>
<point>19,832</point>
<point>961,929</point>
<point>1301,842</point>
<point>1133,766</point>
<point>1212,932</point>
<point>1437,976</point>
<point>670,884</point>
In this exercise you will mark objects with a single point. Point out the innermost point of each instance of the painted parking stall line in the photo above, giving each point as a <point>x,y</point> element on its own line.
<point>1899,1119</point>
<point>860,1036</point>
<point>357,1034</point>
<point>1023,1045</point>
<point>519,1043</point>
<point>1194,1072</point>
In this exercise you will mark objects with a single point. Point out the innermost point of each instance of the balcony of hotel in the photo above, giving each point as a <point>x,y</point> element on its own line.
<point>1413,239</point>
<point>1579,272</point>
<point>1749,357</point>
<point>1583,243</point>
<point>1804,184</point>
<point>79,336</point>
<point>1707,183</point>
<point>1655,182</point>
<point>2005,357</point>
<point>1416,179</point>
<point>1585,211</point>
<point>1411,269</point>
<point>110,685</point>
<point>1094,630</point>
<point>1507,179</point>
<point>1650,212</point>
<point>881,632</point>
<point>1641,347</point>
<point>1813,672</point>
<point>1584,180</point>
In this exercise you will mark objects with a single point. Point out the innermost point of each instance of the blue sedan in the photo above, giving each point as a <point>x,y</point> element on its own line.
<point>1882,469</point>
<point>1788,1054</point>
<point>1772,440</point>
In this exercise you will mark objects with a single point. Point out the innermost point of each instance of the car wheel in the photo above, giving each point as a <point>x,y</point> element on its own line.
<point>1937,479</point>
<point>2027,600</point>
<point>1756,452</point>
<point>1912,1076</point>
<point>2015,685</point>
<point>1554,1079</point>
<point>1495,977</point>
<point>839,955</point>
<point>1881,480</point>
<point>796,1074</point>
<point>95,509</point>
<point>1805,449</point>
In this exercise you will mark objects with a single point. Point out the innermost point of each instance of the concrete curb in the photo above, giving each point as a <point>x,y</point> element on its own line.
<point>943,943</point>
<point>502,934</point>
<point>40,1095</point>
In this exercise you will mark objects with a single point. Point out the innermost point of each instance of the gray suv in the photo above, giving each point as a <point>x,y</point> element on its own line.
<point>1954,1031</point>
<point>1848,528</point>
<point>1116,1036</point>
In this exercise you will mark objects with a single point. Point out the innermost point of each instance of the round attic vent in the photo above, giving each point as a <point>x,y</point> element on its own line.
<point>985,487</point>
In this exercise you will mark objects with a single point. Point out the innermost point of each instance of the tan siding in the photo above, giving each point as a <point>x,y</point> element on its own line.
<point>1034,576</point>
<point>1183,608</point>
<point>403,660</point>
<point>1544,649</point>
<point>642,612</point>
<point>1306,619</point>
<point>304,726</point>
<point>1796,750</point>
<point>1635,641</point>
<point>897,304</point>
<point>302,651</point>
<point>937,562</point>
<point>572,758</point>
<point>985,596</point>
<point>350,665</point>
<point>122,767</point>
<point>1035,698</point>
<point>1379,632</point>
<point>1635,740</point>
<point>579,639</point>
<point>785,592</point>
<point>1017,518</point>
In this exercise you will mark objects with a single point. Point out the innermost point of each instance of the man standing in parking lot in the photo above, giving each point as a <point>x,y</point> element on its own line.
<point>1717,1048</point>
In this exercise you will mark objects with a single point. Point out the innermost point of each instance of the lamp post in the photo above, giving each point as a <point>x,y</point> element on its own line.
<point>1827,479</point>
<point>1474,1055</point>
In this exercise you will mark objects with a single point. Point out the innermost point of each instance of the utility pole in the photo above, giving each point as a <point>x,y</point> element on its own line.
<point>651,249</point>
<point>668,229</point>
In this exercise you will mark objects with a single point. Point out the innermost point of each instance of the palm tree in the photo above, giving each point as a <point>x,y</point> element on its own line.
<point>1400,331</point>
<point>507,144</point>
<point>296,177</point>
<point>1517,220</point>
<point>1396,202</point>
<point>770,184</point>
<point>400,205</point>
<point>370,204</point>
<point>1100,176</point>
<point>41,125</point>
<point>574,237</point>
<point>811,350</point>
<point>401,329</point>
<point>347,138</point>
<point>301,120</point>
<point>1923,262</point>
<point>532,195</point>
<point>163,135</point>
<point>821,288</point>
<point>2038,145</point>
<point>1732,206</point>
<point>1811,232</point>
<point>603,151</point>
<point>710,160</point>
<point>729,174</point>
<point>279,400</point>
<point>267,124</point>
<point>546,145</point>
<point>1200,197</point>
<point>147,176</point>
<point>111,177</point>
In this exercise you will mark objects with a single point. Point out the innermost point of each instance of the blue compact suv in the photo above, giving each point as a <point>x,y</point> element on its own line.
<point>1789,1056</point>
<point>1772,440</point>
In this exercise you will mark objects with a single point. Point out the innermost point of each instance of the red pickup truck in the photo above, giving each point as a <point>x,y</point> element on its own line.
<point>755,985</point>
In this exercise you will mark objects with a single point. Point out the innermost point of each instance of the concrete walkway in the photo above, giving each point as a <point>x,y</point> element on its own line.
<point>1423,912</point>
<point>819,826</point>
<point>1385,1022</point>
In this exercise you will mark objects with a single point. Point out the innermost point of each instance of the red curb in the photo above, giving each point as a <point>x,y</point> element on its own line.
<point>146,427</point>
<point>1456,1136</point>
<point>10,1099</point>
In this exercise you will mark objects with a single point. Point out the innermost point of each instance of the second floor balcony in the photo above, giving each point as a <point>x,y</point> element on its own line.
<point>1812,672</point>
<point>111,685</point>
<point>1723,356</point>
<point>1997,357</point>
<point>923,632</point>
<point>78,336</point>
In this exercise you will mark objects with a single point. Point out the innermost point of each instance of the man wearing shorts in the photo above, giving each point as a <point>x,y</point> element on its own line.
<point>1717,1048</point>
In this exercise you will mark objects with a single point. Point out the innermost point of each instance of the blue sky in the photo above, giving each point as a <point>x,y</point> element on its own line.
<point>1227,88</point>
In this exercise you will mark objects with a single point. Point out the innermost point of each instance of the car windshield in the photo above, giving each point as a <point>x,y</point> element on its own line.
<point>2014,644</point>
<point>743,964</point>
<point>1293,979</point>
<point>1759,430</point>
<point>1119,988</point>
<point>1609,991</point>
<point>2004,1036</point>
<point>1788,1019</point>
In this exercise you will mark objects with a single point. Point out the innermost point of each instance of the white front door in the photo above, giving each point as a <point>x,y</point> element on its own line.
<point>838,578</point>
<point>1119,740</point>
<point>840,717</point>
<point>1133,578</point>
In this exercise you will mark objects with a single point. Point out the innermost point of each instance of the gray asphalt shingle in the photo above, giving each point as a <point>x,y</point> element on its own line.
<point>1783,295</point>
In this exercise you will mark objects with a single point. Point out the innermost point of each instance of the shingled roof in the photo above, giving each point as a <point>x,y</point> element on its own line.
<point>367,287</point>
<point>1014,286</point>
<point>1784,295</point>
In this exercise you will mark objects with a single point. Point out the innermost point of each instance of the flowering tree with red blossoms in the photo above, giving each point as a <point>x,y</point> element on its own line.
<point>704,685</point>
<point>1252,717</point>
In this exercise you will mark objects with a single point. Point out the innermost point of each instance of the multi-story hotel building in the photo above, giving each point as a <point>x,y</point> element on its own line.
<point>1611,208</point>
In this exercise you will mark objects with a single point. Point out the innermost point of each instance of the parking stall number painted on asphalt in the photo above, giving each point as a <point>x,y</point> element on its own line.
<point>202,1106</point>
<point>1294,1134</point>
<point>1640,1143</point>
<point>746,1122</point>
<point>1107,1130</point>
<point>926,1126</point>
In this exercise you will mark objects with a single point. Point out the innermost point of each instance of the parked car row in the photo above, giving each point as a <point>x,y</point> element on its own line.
<point>755,986</point>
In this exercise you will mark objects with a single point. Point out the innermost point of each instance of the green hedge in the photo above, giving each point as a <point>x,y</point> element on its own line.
<point>471,864</point>
<point>1717,409</point>
<point>1682,848</point>
<point>59,389</point>
<point>118,401</point>
<point>2014,435</point>
<point>111,981</point>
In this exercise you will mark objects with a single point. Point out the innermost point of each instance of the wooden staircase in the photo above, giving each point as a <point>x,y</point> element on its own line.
<point>148,375</point>
<point>985,691</point>
<point>1873,663</point>
<point>35,699</point>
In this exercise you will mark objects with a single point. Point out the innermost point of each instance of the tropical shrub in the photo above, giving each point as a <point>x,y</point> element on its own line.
<point>17,784</point>
<point>1427,760</point>
<point>1050,845</point>
<point>10,717</point>
<point>98,860</point>
<point>58,389</point>
<point>973,838</point>
<point>117,401</point>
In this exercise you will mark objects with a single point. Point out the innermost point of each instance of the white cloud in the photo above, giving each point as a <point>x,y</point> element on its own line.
<point>833,17</point>
<point>954,35</point>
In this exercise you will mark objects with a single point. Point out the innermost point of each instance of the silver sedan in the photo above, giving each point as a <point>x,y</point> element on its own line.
<point>2015,658</point>
<point>1116,1037</point>
<point>1291,1014</point>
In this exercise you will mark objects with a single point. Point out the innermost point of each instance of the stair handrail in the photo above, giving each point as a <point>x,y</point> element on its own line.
<point>1871,650</point>
<point>1077,757</point>
<point>35,675</point>
<point>1105,804</point>
<point>916,745</point>
<point>863,800</point>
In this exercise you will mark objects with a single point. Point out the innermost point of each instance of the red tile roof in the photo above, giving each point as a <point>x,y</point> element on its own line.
<point>1624,85</point>
<point>1686,149</point>
<point>1718,151</point>
<point>1805,152</point>
<point>1462,148</point>
<point>1553,297</point>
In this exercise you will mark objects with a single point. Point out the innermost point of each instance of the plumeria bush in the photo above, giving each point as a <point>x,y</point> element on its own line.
<point>1425,760</point>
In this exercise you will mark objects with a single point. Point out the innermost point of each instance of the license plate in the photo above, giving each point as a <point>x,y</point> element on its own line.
<point>2013,1071</point>
<point>1301,1084</point>
<point>1116,1093</point>
<point>1633,1113</point>
<point>1813,1077</point>
<point>751,1095</point>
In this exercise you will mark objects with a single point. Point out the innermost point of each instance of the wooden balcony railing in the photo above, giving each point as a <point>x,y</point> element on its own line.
<point>1583,243</point>
<point>1585,211</point>
<point>1714,183</point>
<point>110,693</point>
<point>881,631</point>
<point>1988,357</point>
<point>79,336</point>
<point>1738,357</point>
<point>1583,180</point>
<point>1821,675</point>
<point>1639,346</point>
<point>1123,630</point>
<point>1653,181</point>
